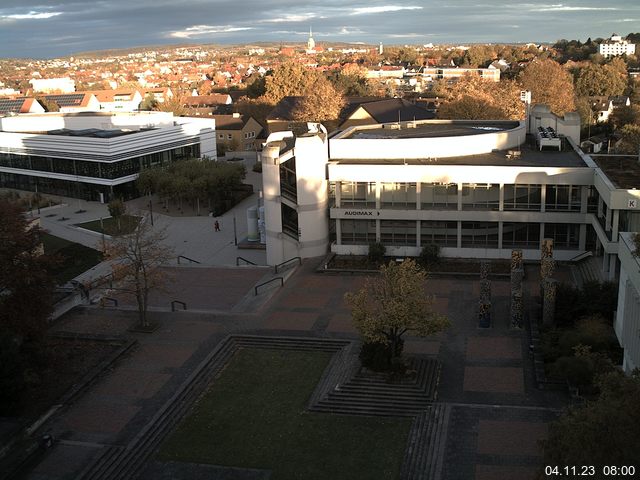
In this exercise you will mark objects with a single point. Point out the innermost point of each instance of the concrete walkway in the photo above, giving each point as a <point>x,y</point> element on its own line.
<point>189,235</point>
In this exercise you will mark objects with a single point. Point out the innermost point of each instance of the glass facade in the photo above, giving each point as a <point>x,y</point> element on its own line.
<point>85,168</point>
<point>288,181</point>
<point>480,196</point>
<point>522,197</point>
<point>398,232</point>
<point>358,194</point>
<point>520,235</point>
<point>444,234</point>
<point>358,232</point>
<point>480,234</point>
<point>563,198</point>
<point>398,196</point>
<point>289,221</point>
<point>435,196</point>
<point>565,235</point>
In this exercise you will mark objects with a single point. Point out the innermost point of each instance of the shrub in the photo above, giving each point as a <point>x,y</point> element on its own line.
<point>377,355</point>
<point>593,298</point>
<point>429,255</point>
<point>376,252</point>
<point>257,167</point>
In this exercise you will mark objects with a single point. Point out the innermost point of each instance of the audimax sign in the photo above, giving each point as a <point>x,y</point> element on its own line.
<point>361,213</point>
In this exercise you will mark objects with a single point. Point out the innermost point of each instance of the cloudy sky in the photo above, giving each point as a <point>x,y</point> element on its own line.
<point>51,28</point>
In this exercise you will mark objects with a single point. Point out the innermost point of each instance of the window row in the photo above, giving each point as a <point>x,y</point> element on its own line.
<point>110,170</point>
<point>473,196</point>
<point>445,233</point>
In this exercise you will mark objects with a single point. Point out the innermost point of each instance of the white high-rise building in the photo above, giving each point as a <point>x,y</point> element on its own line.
<point>616,46</point>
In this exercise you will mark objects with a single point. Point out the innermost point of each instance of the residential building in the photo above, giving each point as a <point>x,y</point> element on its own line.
<point>383,111</point>
<point>96,156</point>
<point>237,132</point>
<point>74,102</point>
<point>13,106</point>
<point>616,46</point>
<point>53,85</point>
<point>120,100</point>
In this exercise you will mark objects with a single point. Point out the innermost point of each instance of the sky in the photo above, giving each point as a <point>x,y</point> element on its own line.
<point>58,28</point>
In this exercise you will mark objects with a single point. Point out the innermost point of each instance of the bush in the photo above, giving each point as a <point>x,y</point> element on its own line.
<point>257,167</point>
<point>12,378</point>
<point>429,255</point>
<point>593,298</point>
<point>377,355</point>
<point>376,252</point>
<point>576,370</point>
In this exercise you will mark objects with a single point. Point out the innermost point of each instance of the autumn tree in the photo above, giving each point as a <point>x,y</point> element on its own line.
<point>352,80</point>
<point>175,105</point>
<point>596,80</point>
<point>625,115</point>
<point>603,431</point>
<point>137,260</point>
<point>476,99</point>
<point>392,304</point>
<point>117,209</point>
<point>25,302</point>
<point>289,79</point>
<point>549,84</point>
<point>630,141</point>
<point>320,103</point>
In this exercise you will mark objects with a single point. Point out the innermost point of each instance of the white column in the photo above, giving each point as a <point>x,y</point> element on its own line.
<point>501,202</point>
<point>543,198</point>
<point>459,198</point>
<point>615,222</point>
<point>584,199</point>
<point>338,231</point>
<point>418,239</point>
<point>582,239</point>
<point>459,234</point>
<point>500,231</point>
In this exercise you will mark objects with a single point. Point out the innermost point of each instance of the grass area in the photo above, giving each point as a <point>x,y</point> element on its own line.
<point>74,258</point>
<point>111,226</point>
<point>254,416</point>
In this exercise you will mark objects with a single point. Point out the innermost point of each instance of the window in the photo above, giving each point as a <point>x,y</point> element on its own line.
<point>520,235</point>
<point>288,181</point>
<point>358,232</point>
<point>480,234</point>
<point>565,236</point>
<point>398,196</point>
<point>221,136</point>
<point>480,196</point>
<point>522,197</point>
<point>444,234</point>
<point>229,136</point>
<point>289,221</point>
<point>357,194</point>
<point>563,197</point>
<point>398,232</point>
<point>440,196</point>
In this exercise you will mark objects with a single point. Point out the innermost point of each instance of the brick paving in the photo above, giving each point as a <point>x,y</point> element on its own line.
<point>481,368</point>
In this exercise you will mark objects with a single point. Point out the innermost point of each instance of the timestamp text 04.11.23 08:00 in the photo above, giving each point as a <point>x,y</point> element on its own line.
<point>607,471</point>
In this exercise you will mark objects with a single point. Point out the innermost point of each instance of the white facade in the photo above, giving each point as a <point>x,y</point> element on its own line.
<point>95,155</point>
<point>53,85</point>
<point>616,46</point>
<point>627,320</point>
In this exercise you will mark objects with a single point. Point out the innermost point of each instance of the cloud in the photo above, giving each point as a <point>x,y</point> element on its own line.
<point>32,15</point>
<point>381,9</point>
<point>625,20</point>
<point>565,8</point>
<point>290,18</point>
<point>350,31</point>
<point>198,30</point>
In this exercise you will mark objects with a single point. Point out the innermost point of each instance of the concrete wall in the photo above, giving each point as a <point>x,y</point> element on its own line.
<point>627,321</point>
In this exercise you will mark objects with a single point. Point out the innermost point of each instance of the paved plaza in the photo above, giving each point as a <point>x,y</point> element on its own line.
<point>497,415</point>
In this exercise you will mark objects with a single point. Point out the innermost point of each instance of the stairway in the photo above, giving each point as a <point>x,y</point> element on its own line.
<point>587,270</point>
<point>371,393</point>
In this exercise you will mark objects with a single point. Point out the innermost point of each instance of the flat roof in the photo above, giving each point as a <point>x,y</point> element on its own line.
<point>430,129</point>
<point>90,132</point>
<point>623,171</point>
<point>529,157</point>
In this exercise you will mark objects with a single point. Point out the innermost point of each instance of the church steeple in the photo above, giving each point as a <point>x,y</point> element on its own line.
<point>311,44</point>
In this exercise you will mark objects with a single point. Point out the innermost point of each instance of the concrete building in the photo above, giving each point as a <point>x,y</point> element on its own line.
<point>96,156</point>
<point>616,46</point>
<point>477,189</point>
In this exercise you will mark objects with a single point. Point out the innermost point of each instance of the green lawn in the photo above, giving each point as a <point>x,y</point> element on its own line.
<point>254,416</point>
<point>74,258</point>
<point>126,225</point>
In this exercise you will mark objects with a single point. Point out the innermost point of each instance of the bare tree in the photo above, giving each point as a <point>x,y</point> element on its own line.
<point>138,259</point>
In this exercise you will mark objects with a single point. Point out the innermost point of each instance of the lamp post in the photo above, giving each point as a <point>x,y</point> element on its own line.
<point>235,232</point>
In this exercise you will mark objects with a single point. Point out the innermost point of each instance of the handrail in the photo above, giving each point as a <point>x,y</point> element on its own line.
<point>244,260</point>
<point>581,256</point>
<point>255,289</point>
<point>173,305</point>
<point>287,261</point>
<point>186,258</point>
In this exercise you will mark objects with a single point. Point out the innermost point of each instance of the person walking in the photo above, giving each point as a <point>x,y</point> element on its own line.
<point>216,226</point>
